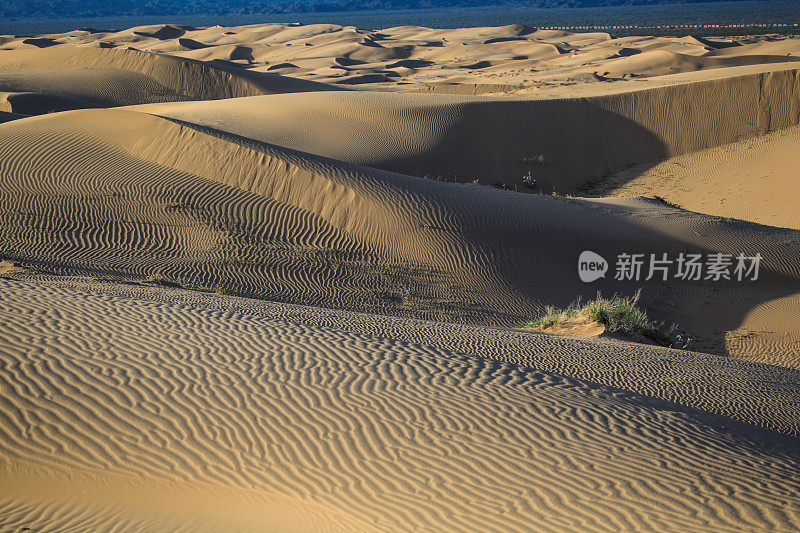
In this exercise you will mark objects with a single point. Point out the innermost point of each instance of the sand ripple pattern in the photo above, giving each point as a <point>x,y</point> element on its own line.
<point>404,436</point>
<point>126,193</point>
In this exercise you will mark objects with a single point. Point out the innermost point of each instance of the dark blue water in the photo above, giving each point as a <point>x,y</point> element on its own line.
<point>780,12</point>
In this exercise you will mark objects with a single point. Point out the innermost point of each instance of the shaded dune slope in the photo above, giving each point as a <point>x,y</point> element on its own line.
<point>564,143</point>
<point>333,429</point>
<point>127,192</point>
<point>109,77</point>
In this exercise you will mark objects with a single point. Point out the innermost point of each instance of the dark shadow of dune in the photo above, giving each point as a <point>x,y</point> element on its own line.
<point>503,40</point>
<point>627,52</point>
<point>477,66</point>
<point>717,45</point>
<point>41,42</point>
<point>278,66</point>
<point>563,144</point>
<point>242,52</point>
<point>166,32</point>
<point>364,78</point>
<point>566,144</point>
<point>191,44</point>
<point>39,104</point>
<point>348,62</point>
<point>410,63</point>
<point>227,63</point>
<point>5,116</point>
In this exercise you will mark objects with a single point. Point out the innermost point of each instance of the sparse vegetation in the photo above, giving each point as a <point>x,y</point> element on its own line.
<point>537,160</point>
<point>667,202</point>
<point>528,180</point>
<point>619,314</point>
<point>220,289</point>
<point>402,297</point>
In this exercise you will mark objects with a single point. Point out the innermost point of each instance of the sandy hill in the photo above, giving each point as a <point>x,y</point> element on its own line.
<point>128,192</point>
<point>36,81</point>
<point>347,174</point>
<point>563,143</point>
<point>650,113</point>
<point>123,411</point>
<point>514,57</point>
<point>753,179</point>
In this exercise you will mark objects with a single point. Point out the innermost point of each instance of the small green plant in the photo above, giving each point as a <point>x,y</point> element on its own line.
<point>220,289</point>
<point>682,341</point>
<point>667,202</point>
<point>406,294</point>
<point>619,314</point>
<point>528,180</point>
<point>403,296</point>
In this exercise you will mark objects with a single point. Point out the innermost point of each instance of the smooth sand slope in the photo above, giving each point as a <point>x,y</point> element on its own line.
<point>127,192</point>
<point>563,143</point>
<point>38,81</point>
<point>122,412</point>
<point>756,179</point>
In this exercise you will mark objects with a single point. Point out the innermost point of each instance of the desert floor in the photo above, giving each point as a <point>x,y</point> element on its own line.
<point>273,278</point>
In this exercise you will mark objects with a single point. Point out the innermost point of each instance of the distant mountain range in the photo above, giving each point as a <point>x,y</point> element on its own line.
<point>17,9</point>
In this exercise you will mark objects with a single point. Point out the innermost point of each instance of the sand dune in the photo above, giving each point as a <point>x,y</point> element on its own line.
<point>346,430</point>
<point>124,191</point>
<point>335,171</point>
<point>498,141</point>
<point>755,179</point>
<point>505,56</point>
<point>124,77</point>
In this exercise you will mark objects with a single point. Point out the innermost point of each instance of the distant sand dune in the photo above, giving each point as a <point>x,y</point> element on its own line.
<point>505,56</point>
<point>123,77</point>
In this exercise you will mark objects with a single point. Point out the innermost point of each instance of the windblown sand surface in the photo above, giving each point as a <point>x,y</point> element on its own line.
<point>348,169</point>
<point>133,413</point>
<point>756,179</point>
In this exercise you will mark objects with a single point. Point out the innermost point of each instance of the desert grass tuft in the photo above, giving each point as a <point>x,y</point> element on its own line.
<point>619,314</point>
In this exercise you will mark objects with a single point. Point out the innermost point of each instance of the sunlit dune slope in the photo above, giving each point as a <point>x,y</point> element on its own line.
<point>167,415</point>
<point>755,179</point>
